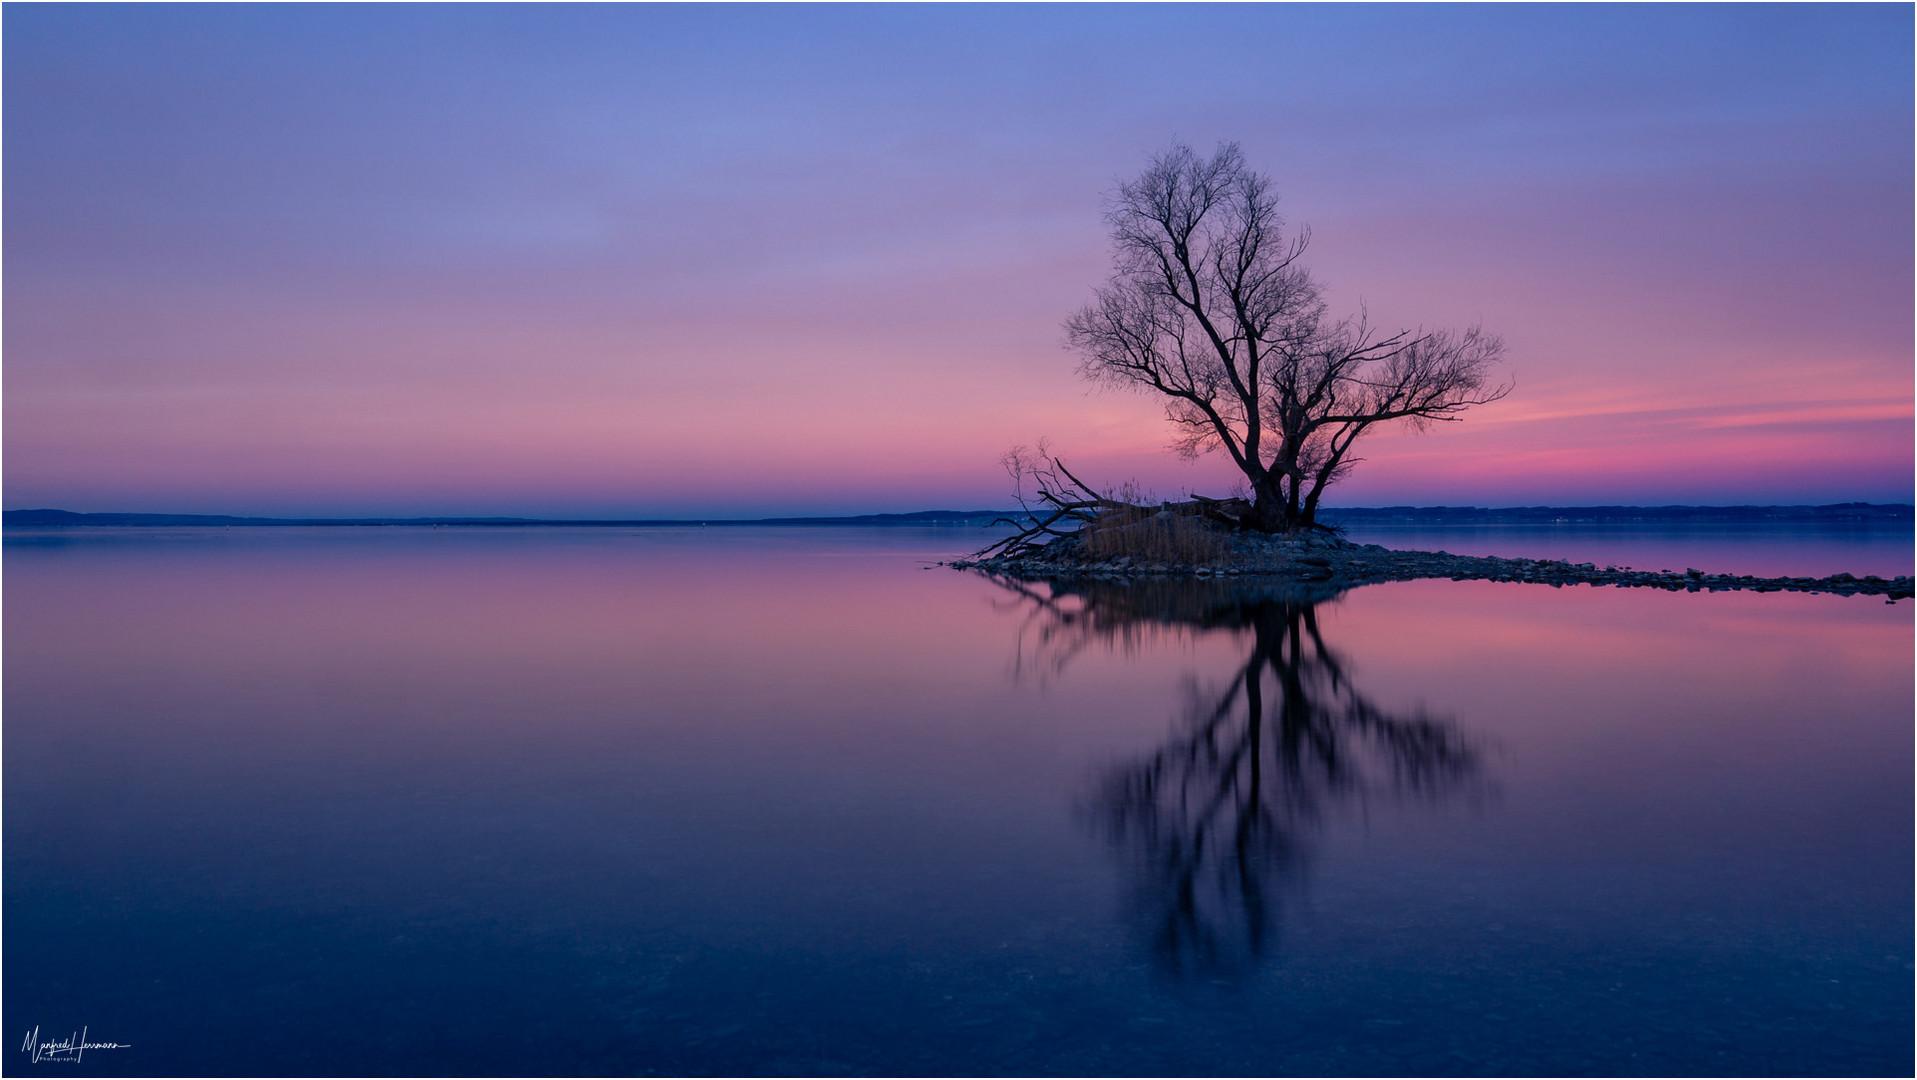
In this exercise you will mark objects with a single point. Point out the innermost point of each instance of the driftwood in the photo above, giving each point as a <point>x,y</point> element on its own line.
<point>1058,506</point>
<point>1055,503</point>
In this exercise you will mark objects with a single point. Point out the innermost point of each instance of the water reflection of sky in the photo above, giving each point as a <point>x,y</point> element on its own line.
<point>779,801</point>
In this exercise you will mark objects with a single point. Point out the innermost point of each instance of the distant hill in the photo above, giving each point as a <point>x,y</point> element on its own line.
<point>1835,513</point>
<point>62,518</point>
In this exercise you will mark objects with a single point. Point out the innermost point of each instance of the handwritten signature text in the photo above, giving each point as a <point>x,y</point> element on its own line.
<point>68,1049</point>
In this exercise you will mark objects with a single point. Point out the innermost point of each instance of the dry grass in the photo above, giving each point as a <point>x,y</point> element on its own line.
<point>1149,535</point>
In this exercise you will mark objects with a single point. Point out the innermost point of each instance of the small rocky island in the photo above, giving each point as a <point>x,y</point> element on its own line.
<point>1179,542</point>
<point>1210,309</point>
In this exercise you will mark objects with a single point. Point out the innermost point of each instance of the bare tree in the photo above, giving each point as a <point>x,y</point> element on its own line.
<point>1209,305</point>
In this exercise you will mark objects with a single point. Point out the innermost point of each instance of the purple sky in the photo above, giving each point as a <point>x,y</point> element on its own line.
<point>709,260</point>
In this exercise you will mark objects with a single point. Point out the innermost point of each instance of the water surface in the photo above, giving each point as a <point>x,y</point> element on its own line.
<point>702,801</point>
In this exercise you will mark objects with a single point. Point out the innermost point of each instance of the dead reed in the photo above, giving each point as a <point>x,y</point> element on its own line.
<point>1149,535</point>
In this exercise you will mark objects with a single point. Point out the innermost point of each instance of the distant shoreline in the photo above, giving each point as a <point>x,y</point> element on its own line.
<point>1373,517</point>
<point>64,519</point>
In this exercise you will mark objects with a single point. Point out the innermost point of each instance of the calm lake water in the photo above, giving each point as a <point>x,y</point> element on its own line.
<point>720,801</point>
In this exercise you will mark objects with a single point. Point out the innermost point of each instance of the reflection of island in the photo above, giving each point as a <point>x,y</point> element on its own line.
<point>1217,820</point>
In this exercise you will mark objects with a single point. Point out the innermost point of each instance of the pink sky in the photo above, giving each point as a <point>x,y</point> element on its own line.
<point>634,262</point>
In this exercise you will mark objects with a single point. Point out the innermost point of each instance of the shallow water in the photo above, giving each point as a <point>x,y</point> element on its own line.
<point>1803,550</point>
<point>701,801</point>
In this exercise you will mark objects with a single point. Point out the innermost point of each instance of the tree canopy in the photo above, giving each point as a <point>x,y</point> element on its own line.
<point>1210,306</point>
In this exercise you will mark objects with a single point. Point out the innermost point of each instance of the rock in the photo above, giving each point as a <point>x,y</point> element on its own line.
<point>1322,559</point>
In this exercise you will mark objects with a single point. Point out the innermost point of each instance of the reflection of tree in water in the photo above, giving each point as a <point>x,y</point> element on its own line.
<point>1218,819</point>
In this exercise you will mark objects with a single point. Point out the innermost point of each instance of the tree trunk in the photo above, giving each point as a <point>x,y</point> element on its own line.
<point>1272,510</point>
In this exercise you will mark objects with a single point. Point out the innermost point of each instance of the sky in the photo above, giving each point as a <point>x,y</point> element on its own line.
<point>709,260</point>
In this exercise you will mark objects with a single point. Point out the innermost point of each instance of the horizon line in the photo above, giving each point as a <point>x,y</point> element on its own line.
<point>1855,510</point>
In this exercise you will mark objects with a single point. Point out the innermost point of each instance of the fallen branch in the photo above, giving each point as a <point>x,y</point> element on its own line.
<point>1056,503</point>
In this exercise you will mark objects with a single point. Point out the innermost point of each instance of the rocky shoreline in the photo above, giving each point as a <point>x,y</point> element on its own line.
<point>1338,564</point>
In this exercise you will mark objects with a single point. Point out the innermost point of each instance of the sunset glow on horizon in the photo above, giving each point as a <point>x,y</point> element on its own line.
<point>613,261</point>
